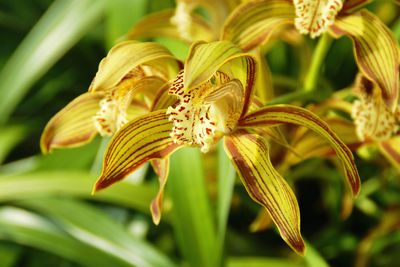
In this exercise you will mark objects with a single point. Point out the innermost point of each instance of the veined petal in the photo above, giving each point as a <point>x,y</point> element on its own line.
<point>163,99</point>
<point>249,154</point>
<point>391,149</point>
<point>350,5</point>
<point>376,51</point>
<point>73,125</point>
<point>125,57</point>
<point>309,144</point>
<point>253,22</point>
<point>143,139</point>
<point>282,114</point>
<point>161,168</point>
<point>205,59</point>
<point>159,24</point>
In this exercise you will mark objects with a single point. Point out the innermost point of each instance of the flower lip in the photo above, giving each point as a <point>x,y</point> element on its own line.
<point>206,112</point>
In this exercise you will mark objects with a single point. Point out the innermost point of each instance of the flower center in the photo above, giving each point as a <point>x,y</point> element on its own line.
<point>373,119</point>
<point>205,112</point>
<point>315,16</point>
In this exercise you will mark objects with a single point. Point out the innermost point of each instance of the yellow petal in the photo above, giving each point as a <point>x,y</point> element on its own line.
<point>391,150</point>
<point>163,99</point>
<point>350,5</point>
<point>125,56</point>
<point>205,59</point>
<point>161,168</point>
<point>262,222</point>
<point>376,51</point>
<point>73,125</point>
<point>249,154</point>
<point>143,139</point>
<point>282,114</point>
<point>159,24</point>
<point>309,144</point>
<point>253,22</point>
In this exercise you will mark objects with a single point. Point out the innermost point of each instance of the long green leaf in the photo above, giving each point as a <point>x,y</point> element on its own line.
<point>92,227</point>
<point>79,184</point>
<point>191,213</point>
<point>63,24</point>
<point>30,229</point>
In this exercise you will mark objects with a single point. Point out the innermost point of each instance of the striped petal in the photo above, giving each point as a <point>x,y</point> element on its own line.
<point>249,154</point>
<point>125,57</point>
<point>159,24</point>
<point>376,51</point>
<point>253,22</point>
<point>73,125</point>
<point>350,5</point>
<point>143,139</point>
<point>309,144</point>
<point>282,114</point>
<point>391,149</point>
<point>205,59</point>
<point>161,168</point>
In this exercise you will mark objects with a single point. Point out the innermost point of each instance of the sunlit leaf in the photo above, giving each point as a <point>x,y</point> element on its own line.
<point>250,156</point>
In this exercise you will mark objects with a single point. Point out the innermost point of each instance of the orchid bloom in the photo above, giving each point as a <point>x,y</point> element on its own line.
<point>374,121</point>
<point>376,50</point>
<point>214,91</point>
<point>131,69</point>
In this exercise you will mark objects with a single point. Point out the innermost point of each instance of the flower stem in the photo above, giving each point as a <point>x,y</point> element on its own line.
<point>311,80</point>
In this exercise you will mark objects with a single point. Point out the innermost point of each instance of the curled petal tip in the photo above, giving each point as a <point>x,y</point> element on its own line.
<point>155,213</point>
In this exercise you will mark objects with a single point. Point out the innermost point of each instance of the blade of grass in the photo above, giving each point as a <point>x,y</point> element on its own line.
<point>313,258</point>
<point>30,229</point>
<point>78,184</point>
<point>10,136</point>
<point>93,227</point>
<point>63,24</point>
<point>226,182</point>
<point>193,220</point>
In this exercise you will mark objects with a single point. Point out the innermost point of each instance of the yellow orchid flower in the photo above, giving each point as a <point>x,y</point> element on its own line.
<point>376,50</point>
<point>214,91</point>
<point>129,70</point>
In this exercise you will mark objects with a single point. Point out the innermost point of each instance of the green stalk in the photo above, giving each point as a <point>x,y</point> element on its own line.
<point>311,80</point>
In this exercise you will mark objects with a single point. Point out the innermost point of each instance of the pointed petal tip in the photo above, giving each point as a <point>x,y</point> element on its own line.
<point>155,214</point>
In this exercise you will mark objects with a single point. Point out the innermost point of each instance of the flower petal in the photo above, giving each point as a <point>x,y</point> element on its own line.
<point>309,144</point>
<point>141,140</point>
<point>391,149</point>
<point>282,114</point>
<point>125,56</point>
<point>376,51</point>
<point>350,5</point>
<point>163,99</point>
<point>249,154</point>
<point>159,24</point>
<point>205,59</point>
<point>161,168</point>
<point>73,125</point>
<point>252,23</point>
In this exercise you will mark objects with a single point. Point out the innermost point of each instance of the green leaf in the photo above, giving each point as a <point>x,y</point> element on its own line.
<point>33,230</point>
<point>313,258</point>
<point>78,184</point>
<point>91,226</point>
<point>63,24</point>
<point>261,262</point>
<point>191,213</point>
<point>10,136</point>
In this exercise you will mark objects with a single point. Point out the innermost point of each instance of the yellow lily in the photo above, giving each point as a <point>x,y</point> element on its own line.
<point>214,92</point>
<point>376,50</point>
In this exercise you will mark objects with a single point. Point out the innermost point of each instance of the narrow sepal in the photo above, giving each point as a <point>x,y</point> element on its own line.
<point>254,22</point>
<point>249,154</point>
<point>125,57</point>
<point>350,5</point>
<point>376,51</point>
<point>159,24</point>
<point>391,150</point>
<point>73,125</point>
<point>161,168</point>
<point>282,114</point>
<point>139,141</point>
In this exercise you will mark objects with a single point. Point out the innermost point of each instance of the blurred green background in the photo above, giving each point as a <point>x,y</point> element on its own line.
<point>49,53</point>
